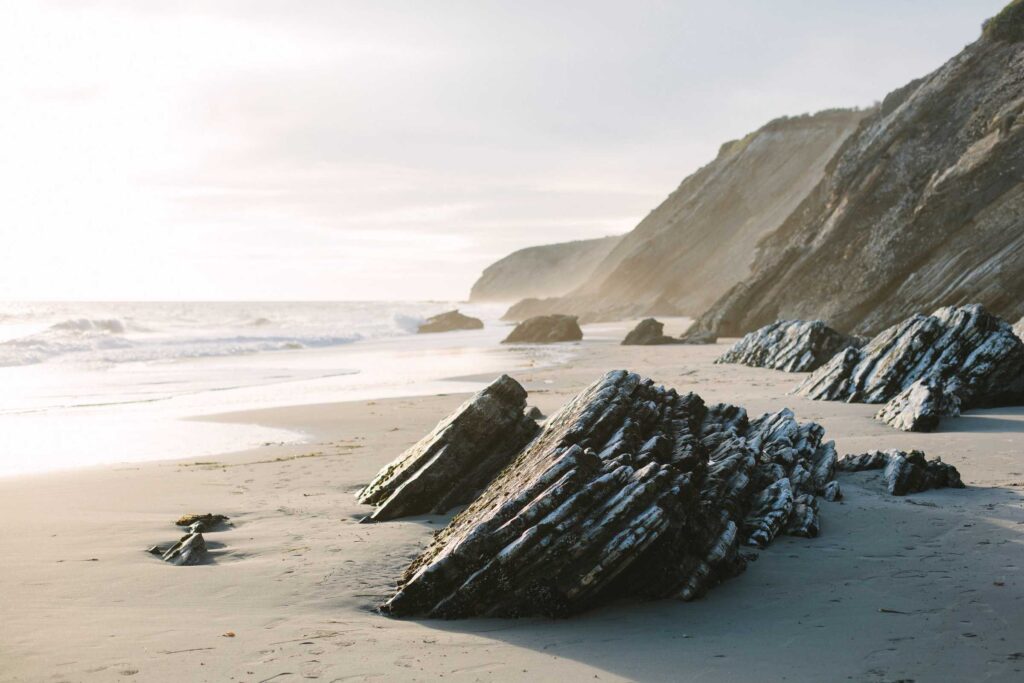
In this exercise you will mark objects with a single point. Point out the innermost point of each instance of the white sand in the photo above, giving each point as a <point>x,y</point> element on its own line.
<point>296,578</point>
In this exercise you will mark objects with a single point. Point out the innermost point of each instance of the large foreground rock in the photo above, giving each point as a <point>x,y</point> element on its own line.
<point>545,329</point>
<point>453,463</point>
<point>904,472</point>
<point>928,367</point>
<point>448,322</point>
<point>789,345</point>
<point>649,332</point>
<point>630,490</point>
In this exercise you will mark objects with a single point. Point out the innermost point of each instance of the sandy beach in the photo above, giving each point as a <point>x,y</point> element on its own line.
<point>923,588</point>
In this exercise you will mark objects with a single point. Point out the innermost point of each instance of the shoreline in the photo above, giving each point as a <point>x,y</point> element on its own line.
<point>926,587</point>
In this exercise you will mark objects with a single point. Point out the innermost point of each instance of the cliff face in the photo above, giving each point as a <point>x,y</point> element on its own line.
<point>702,239</point>
<point>923,207</point>
<point>548,270</point>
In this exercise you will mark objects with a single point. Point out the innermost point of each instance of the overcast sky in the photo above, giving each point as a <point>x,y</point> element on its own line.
<point>392,150</point>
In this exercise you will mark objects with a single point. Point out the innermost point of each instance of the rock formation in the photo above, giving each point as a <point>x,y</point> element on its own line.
<point>545,329</point>
<point>452,464</point>
<point>649,332</point>
<point>920,208</point>
<point>197,524</point>
<point>544,271</point>
<point>904,472</point>
<point>630,490</point>
<point>788,345</point>
<point>928,367</point>
<point>702,239</point>
<point>190,548</point>
<point>449,321</point>
<point>1018,329</point>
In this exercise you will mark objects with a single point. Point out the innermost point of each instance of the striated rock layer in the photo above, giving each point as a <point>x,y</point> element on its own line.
<point>928,367</point>
<point>789,345</point>
<point>631,489</point>
<point>545,329</point>
<point>904,472</point>
<point>452,464</point>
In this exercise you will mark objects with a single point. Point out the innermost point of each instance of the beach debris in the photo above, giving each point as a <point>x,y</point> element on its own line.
<point>454,462</point>
<point>448,322</point>
<point>190,550</point>
<point>904,472</point>
<point>631,489</point>
<point>534,413</point>
<point>545,329</point>
<point>199,523</point>
<point>928,367</point>
<point>789,345</point>
<point>649,332</point>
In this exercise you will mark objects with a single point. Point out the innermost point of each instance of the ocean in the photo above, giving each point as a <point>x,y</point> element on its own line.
<point>84,384</point>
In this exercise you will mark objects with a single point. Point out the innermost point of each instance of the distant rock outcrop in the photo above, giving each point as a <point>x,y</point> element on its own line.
<point>630,490</point>
<point>789,345</point>
<point>928,367</point>
<point>702,239</point>
<point>904,472</point>
<point>545,329</point>
<point>921,207</point>
<point>449,321</point>
<point>548,270</point>
<point>452,464</point>
<point>649,332</point>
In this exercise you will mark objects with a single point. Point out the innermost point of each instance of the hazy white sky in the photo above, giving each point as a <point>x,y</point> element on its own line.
<point>361,150</point>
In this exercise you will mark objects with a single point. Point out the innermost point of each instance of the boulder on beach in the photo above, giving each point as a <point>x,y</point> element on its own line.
<point>649,332</point>
<point>448,322</point>
<point>789,345</point>
<point>453,463</point>
<point>928,367</point>
<point>545,329</point>
<point>630,490</point>
<point>904,472</point>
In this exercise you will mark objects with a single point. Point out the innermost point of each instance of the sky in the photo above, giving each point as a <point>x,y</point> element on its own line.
<point>336,150</point>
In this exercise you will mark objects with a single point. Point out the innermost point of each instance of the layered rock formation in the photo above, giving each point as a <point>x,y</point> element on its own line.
<point>928,367</point>
<point>448,322</point>
<point>789,345</point>
<point>649,332</point>
<point>544,271</point>
<point>545,329</point>
<point>702,239</point>
<point>452,464</point>
<point>904,472</point>
<point>921,207</point>
<point>630,489</point>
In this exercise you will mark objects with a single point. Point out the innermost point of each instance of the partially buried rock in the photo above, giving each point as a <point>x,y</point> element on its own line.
<point>904,472</point>
<point>200,523</point>
<point>190,550</point>
<point>928,367</point>
<point>545,329</point>
<point>448,322</point>
<point>453,463</point>
<point>649,332</point>
<point>631,489</point>
<point>788,345</point>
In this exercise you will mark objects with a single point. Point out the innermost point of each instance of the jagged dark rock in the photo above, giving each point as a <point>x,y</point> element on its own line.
<point>448,322</point>
<point>630,490</point>
<point>453,463</point>
<point>649,332</point>
<point>199,523</point>
<point>545,329</point>
<point>928,367</point>
<point>789,345</point>
<point>190,550</point>
<point>904,472</point>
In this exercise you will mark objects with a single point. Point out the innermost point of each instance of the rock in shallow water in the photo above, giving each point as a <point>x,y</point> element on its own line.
<point>448,322</point>
<point>904,472</point>
<point>789,345</point>
<point>453,463</point>
<point>649,332</point>
<point>545,329</point>
<point>928,367</point>
<point>630,490</point>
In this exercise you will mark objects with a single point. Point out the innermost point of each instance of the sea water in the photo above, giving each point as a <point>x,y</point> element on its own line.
<point>94,383</point>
